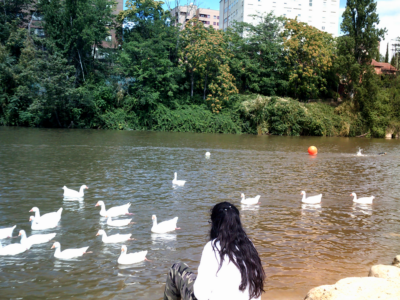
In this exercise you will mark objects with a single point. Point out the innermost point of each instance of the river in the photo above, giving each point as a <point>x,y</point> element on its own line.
<point>300,246</point>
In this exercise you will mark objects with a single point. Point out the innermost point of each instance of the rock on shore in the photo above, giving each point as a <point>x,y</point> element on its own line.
<point>383,283</point>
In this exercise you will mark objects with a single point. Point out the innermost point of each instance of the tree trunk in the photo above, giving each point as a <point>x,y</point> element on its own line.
<point>80,60</point>
<point>205,86</point>
<point>191,83</point>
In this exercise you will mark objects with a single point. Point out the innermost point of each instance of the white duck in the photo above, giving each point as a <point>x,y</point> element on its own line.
<point>72,194</point>
<point>178,182</point>
<point>113,211</point>
<point>6,232</point>
<point>311,200</point>
<point>165,226</point>
<point>119,223</point>
<point>49,217</point>
<point>250,201</point>
<point>36,238</point>
<point>68,253</point>
<point>40,225</point>
<point>131,258</point>
<point>208,154</point>
<point>13,249</point>
<point>364,200</point>
<point>115,238</point>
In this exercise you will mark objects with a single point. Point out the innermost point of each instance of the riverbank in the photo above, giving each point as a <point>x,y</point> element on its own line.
<point>383,282</point>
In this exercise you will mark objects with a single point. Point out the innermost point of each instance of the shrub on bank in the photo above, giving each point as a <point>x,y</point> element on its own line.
<point>285,116</point>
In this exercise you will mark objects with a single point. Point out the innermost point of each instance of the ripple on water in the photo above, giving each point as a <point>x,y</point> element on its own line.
<point>301,246</point>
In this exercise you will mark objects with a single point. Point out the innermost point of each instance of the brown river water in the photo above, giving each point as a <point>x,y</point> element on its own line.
<point>300,246</point>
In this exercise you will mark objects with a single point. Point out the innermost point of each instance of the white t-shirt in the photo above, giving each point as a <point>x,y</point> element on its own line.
<point>210,285</point>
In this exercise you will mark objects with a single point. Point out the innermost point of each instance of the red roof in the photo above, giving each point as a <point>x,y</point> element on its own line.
<point>384,66</point>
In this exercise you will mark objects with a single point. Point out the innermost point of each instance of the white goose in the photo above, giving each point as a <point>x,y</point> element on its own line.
<point>311,200</point>
<point>131,258</point>
<point>72,194</point>
<point>364,200</point>
<point>68,253</point>
<point>40,225</point>
<point>13,249</point>
<point>208,154</point>
<point>118,223</point>
<point>250,201</point>
<point>178,182</point>
<point>165,226</point>
<point>113,211</point>
<point>6,232</point>
<point>49,217</point>
<point>115,238</point>
<point>36,238</point>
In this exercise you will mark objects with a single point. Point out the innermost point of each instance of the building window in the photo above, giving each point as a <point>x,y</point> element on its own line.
<point>217,17</point>
<point>323,27</point>
<point>217,23</point>
<point>214,23</point>
<point>299,15</point>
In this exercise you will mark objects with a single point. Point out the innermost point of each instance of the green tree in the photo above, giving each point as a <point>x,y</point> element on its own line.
<point>387,53</point>
<point>310,58</point>
<point>77,29</point>
<point>204,53</point>
<point>13,11</point>
<point>360,22</point>
<point>149,59</point>
<point>259,59</point>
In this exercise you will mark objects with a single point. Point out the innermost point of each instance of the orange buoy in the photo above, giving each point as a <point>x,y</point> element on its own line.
<point>312,150</point>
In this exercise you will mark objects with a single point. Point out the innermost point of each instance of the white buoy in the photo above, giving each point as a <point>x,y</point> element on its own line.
<point>208,154</point>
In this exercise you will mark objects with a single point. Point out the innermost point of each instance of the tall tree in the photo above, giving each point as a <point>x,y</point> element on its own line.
<point>360,22</point>
<point>259,62</point>
<point>387,53</point>
<point>204,53</point>
<point>77,29</point>
<point>310,57</point>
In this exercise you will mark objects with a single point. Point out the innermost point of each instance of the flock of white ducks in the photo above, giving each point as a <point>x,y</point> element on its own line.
<point>51,220</point>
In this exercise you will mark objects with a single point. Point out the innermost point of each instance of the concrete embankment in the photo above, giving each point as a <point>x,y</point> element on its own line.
<point>383,283</point>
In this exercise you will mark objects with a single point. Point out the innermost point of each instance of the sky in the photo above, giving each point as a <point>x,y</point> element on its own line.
<point>388,10</point>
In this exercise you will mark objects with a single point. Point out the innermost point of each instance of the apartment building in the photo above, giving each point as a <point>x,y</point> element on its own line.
<point>322,14</point>
<point>182,14</point>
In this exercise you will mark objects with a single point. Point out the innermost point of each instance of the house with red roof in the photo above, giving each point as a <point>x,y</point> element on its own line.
<point>383,68</point>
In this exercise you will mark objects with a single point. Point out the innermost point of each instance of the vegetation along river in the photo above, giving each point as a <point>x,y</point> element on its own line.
<point>301,247</point>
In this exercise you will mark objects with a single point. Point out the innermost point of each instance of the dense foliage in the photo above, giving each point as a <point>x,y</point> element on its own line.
<point>90,70</point>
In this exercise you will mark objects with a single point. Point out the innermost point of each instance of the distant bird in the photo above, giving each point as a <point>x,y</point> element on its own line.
<point>311,200</point>
<point>113,211</point>
<point>382,153</point>
<point>6,232</point>
<point>68,253</point>
<point>365,200</point>
<point>250,201</point>
<point>208,154</point>
<point>178,182</point>
<point>115,238</point>
<point>118,223</point>
<point>165,226</point>
<point>72,194</point>
<point>131,258</point>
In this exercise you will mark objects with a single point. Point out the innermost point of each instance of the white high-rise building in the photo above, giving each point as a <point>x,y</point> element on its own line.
<point>322,14</point>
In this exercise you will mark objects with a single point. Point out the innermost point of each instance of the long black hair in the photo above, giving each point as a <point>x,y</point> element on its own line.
<point>227,229</point>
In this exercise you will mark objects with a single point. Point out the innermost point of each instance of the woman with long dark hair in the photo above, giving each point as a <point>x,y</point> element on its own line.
<point>230,267</point>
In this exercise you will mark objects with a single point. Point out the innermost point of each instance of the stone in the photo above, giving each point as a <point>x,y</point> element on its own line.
<point>396,261</point>
<point>357,288</point>
<point>384,271</point>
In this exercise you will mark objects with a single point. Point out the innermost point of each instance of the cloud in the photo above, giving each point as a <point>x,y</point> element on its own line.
<point>389,16</point>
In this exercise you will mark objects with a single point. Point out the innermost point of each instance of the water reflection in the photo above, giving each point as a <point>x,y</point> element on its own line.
<point>245,207</point>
